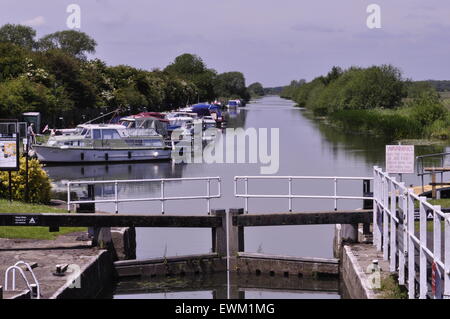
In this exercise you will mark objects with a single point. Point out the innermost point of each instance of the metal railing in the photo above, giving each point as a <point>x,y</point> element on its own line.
<point>430,160</point>
<point>162,198</point>
<point>24,277</point>
<point>291,195</point>
<point>394,226</point>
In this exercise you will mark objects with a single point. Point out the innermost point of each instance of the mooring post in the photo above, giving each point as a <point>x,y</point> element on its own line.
<point>433,185</point>
<point>219,234</point>
<point>367,203</point>
<point>101,236</point>
<point>236,232</point>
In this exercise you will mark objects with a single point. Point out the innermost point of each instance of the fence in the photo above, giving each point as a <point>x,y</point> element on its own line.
<point>394,233</point>
<point>163,198</point>
<point>291,195</point>
<point>439,161</point>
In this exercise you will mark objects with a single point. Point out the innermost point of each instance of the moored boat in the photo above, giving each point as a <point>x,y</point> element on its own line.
<point>103,143</point>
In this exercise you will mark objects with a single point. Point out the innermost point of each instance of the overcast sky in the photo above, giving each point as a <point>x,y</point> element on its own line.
<point>271,41</point>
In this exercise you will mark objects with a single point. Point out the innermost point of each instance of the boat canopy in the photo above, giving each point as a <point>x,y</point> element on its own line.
<point>151,122</point>
<point>204,109</point>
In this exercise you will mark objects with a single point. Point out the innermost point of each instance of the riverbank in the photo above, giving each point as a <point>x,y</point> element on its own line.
<point>33,232</point>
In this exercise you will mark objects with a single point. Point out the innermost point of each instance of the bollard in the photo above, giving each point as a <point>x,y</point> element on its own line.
<point>89,208</point>
<point>1,292</point>
<point>349,233</point>
<point>219,234</point>
<point>367,203</point>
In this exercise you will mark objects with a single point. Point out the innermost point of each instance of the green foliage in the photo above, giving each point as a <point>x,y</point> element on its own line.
<point>192,68</point>
<point>19,35</point>
<point>355,88</point>
<point>38,182</point>
<point>20,95</point>
<point>75,43</point>
<point>380,122</point>
<point>231,85</point>
<point>390,289</point>
<point>427,108</point>
<point>256,89</point>
<point>12,61</point>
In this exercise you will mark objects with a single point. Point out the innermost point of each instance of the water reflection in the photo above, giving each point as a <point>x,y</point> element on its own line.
<point>240,286</point>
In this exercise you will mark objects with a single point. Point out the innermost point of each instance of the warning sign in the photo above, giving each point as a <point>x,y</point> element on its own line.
<point>25,220</point>
<point>400,159</point>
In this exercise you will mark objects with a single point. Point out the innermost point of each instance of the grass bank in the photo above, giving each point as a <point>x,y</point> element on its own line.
<point>32,232</point>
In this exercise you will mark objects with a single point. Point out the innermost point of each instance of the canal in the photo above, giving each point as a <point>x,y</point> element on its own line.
<point>307,147</point>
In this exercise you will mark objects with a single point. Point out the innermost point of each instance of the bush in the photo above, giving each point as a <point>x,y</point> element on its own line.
<point>427,108</point>
<point>38,183</point>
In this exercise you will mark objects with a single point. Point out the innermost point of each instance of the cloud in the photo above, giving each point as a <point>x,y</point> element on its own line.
<point>35,22</point>
<point>315,28</point>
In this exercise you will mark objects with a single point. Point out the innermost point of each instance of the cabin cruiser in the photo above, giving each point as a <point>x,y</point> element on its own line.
<point>233,103</point>
<point>103,143</point>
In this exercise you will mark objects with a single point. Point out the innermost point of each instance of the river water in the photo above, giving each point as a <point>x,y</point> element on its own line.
<point>307,147</point>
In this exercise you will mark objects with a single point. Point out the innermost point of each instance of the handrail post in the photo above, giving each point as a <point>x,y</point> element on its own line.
<point>411,249</point>
<point>68,197</point>
<point>423,287</point>
<point>208,194</point>
<point>447,257</point>
<point>335,194</point>
<point>393,243</point>
<point>437,242</point>
<point>290,194</point>
<point>386,187</point>
<point>403,204</point>
<point>375,206</point>
<point>162,197</point>
<point>246,195</point>
<point>116,196</point>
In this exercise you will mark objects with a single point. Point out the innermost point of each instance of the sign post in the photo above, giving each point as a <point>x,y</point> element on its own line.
<point>9,152</point>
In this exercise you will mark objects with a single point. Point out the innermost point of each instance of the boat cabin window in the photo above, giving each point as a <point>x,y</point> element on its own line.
<point>110,134</point>
<point>97,135</point>
<point>86,133</point>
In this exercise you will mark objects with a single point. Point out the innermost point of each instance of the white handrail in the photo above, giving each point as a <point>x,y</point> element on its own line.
<point>290,194</point>
<point>163,198</point>
<point>32,274</point>
<point>14,279</point>
<point>391,197</point>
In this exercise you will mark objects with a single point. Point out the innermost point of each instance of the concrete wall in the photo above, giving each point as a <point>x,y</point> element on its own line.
<point>95,279</point>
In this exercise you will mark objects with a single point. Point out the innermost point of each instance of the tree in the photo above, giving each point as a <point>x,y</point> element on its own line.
<point>19,35</point>
<point>187,65</point>
<point>21,95</point>
<point>75,43</point>
<point>190,67</point>
<point>256,89</point>
<point>231,85</point>
<point>12,61</point>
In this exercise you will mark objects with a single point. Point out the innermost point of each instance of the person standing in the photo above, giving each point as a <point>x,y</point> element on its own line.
<point>31,135</point>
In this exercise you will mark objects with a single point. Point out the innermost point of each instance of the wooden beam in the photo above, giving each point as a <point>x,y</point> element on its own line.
<point>108,220</point>
<point>305,218</point>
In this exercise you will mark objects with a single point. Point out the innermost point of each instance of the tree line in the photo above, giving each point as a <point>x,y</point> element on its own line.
<point>53,75</point>
<point>375,99</point>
